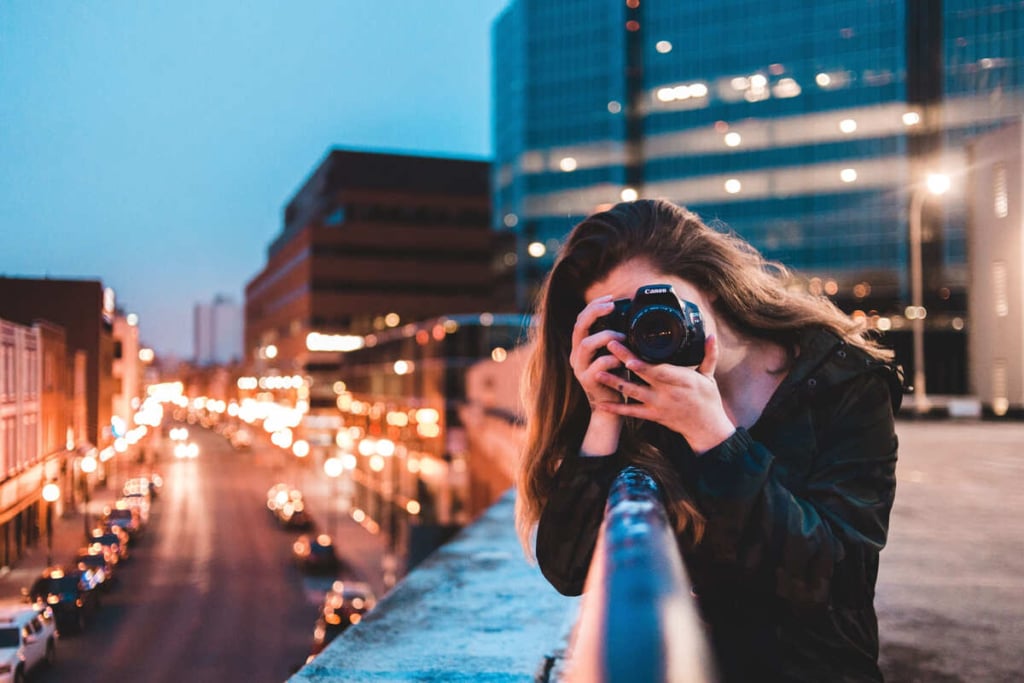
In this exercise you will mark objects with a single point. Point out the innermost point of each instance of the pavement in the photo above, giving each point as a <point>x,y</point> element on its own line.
<point>950,596</point>
<point>68,538</point>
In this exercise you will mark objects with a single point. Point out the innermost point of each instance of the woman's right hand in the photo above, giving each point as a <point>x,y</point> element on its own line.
<point>602,437</point>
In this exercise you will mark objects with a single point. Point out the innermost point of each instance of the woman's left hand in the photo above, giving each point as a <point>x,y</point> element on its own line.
<point>685,400</point>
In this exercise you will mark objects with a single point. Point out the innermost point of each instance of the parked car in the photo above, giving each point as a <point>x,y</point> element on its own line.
<point>288,508</point>
<point>113,541</point>
<point>241,439</point>
<point>344,605</point>
<point>97,572</point>
<point>295,516</point>
<point>127,518</point>
<point>281,494</point>
<point>315,554</point>
<point>65,591</point>
<point>148,485</point>
<point>28,638</point>
<point>137,501</point>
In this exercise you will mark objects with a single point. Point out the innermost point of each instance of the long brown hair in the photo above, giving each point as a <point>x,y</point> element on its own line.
<point>753,298</point>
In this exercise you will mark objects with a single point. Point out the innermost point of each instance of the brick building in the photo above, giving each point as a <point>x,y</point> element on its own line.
<point>372,241</point>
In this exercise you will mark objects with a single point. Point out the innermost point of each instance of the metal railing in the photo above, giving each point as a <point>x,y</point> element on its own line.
<point>638,620</point>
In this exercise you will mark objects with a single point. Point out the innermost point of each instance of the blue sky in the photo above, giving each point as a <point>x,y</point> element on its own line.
<point>153,145</point>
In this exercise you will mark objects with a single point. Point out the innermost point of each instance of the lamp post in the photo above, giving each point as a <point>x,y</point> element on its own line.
<point>935,184</point>
<point>88,466</point>
<point>51,493</point>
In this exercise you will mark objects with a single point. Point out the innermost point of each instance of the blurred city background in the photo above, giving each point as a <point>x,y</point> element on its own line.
<point>292,386</point>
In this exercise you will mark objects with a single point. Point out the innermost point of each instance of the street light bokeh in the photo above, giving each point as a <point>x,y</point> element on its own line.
<point>935,184</point>
<point>51,494</point>
<point>88,466</point>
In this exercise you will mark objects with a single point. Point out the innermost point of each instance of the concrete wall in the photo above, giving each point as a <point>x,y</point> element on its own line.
<point>475,610</point>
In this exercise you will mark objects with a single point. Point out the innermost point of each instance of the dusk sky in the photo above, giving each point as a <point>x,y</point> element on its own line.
<point>153,145</point>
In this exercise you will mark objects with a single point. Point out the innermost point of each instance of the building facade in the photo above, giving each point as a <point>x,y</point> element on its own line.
<point>218,332</point>
<point>996,250</point>
<point>804,127</point>
<point>372,241</point>
<point>86,312</point>
<point>34,429</point>
<point>127,371</point>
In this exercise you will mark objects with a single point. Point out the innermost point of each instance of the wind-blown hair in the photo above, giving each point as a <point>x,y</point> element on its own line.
<point>751,296</point>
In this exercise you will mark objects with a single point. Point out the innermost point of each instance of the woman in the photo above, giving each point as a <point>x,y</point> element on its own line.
<point>776,454</point>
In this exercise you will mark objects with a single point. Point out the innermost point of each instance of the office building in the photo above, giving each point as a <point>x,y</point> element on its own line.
<point>996,301</point>
<point>370,242</point>
<point>127,370</point>
<point>86,312</point>
<point>805,127</point>
<point>218,332</point>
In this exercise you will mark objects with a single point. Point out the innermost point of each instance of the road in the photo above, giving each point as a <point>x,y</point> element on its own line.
<point>210,593</point>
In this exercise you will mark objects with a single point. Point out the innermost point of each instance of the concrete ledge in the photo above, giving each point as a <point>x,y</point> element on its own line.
<point>475,610</point>
<point>943,408</point>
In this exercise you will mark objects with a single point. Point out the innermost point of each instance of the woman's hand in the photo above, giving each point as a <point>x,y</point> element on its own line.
<point>588,366</point>
<point>685,400</point>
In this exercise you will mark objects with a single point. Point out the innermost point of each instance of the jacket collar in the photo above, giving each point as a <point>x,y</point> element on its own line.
<point>824,361</point>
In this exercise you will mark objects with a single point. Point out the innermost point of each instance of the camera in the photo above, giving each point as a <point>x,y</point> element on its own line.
<point>659,326</point>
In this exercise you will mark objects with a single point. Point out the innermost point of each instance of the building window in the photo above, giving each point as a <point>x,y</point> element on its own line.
<point>1000,289</point>
<point>336,217</point>
<point>1001,203</point>
<point>1000,393</point>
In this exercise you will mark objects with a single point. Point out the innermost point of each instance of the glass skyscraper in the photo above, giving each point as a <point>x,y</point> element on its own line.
<point>803,126</point>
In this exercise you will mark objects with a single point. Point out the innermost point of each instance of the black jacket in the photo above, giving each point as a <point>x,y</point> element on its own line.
<point>797,511</point>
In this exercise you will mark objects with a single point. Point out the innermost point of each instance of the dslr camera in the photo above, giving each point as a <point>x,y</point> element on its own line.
<point>659,326</point>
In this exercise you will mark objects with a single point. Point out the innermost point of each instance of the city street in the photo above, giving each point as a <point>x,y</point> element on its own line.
<point>951,584</point>
<point>211,593</point>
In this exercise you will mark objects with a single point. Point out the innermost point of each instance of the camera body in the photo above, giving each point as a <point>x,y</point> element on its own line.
<point>659,326</point>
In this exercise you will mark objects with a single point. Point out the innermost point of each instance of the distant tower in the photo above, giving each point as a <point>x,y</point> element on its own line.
<point>218,332</point>
<point>202,331</point>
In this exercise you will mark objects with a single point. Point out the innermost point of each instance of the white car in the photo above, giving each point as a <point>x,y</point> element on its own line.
<point>28,638</point>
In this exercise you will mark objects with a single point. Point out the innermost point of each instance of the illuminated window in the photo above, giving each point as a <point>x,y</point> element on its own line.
<point>1001,203</point>
<point>999,282</point>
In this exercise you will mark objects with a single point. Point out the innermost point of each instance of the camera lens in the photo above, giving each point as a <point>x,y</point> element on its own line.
<point>656,332</point>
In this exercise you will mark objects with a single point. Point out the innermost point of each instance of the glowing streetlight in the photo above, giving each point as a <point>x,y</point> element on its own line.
<point>88,466</point>
<point>333,467</point>
<point>936,184</point>
<point>51,494</point>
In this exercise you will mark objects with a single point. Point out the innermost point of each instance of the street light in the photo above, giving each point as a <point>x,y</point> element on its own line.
<point>51,493</point>
<point>88,467</point>
<point>935,184</point>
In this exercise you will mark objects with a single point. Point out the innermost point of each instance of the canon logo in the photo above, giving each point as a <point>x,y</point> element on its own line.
<point>655,290</point>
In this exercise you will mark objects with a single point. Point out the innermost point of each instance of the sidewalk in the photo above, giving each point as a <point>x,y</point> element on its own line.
<point>68,538</point>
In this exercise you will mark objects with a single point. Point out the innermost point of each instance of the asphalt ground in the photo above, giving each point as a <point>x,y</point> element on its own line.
<point>950,596</point>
